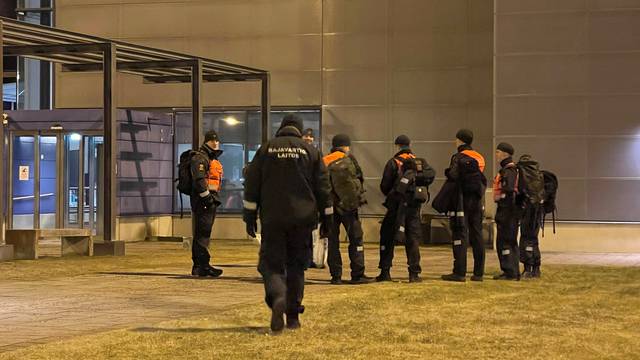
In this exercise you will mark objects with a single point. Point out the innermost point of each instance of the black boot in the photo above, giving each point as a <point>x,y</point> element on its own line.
<point>362,279</point>
<point>293,322</point>
<point>454,277</point>
<point>536,271</point>
<point>414,278</point>
<point>528,272</point>
<point>212,272</point>
<point>277,316</point>
<point>385,275</point>
<point>504,276</point>
<point>336,280</point>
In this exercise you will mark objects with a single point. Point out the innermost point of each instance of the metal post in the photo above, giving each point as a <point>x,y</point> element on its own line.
<point>36,180</point>
<point>2,193</point>
<point>265,107</point>
<point>109,69</point>
<point>196,102</point>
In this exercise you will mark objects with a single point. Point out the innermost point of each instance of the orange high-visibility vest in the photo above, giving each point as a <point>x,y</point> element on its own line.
<point>214,177</point>
<point>498,194</point>
<point>476,155</point>
<point>336,155</point>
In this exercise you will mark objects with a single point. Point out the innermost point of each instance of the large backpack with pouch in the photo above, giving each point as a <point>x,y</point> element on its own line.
<point>415,177</point>
<point>345,184</point>
<point>531,180</point>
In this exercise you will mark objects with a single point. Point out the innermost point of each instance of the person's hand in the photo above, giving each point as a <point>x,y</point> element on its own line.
<point>250,218</point>
<point>326,223</point>
<point>208,201</point>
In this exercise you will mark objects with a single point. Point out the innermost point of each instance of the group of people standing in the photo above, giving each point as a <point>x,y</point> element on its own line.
<point>292,188</point>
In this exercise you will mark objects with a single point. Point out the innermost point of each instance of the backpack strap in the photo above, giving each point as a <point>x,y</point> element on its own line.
<point>181,206</point>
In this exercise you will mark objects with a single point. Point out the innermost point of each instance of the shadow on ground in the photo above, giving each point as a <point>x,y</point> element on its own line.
<point>261,330</point>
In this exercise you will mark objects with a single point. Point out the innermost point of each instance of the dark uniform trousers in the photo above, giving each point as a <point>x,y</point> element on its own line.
<point>413,233</point>
<point>351,222</point>
<point>507,240</point>
<point>202,223</point>
<point>465,232</point>
<point>529,229</point>
<point>283,257</point>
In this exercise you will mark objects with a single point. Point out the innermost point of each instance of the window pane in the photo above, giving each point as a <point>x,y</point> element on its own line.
<point>240,136</point>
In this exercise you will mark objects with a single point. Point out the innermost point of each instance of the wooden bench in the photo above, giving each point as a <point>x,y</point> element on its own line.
<point>25,242</point>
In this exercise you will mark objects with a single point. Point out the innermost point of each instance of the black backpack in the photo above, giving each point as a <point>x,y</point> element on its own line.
<point>531,180</point>
<point>185,180</point>
<point>550,192</point>
<point>416,176</point>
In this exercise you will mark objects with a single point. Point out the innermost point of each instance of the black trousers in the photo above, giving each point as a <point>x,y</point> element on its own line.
<point>410,225</point>
<point>507,220</point>
<point>284,252</point>
<point>529,230</point>
<point>351,222</point>
<point>202,224</point>
<point>468,230</point>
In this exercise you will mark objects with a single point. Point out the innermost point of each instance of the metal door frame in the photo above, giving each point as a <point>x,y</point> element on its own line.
<point>60,158</point>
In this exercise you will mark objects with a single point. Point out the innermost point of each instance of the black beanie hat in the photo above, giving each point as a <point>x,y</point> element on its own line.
<point>465,135</point>
<point>341,140</point>
<point>211,135</point>
<point>403,140</point>
<point>308,132</point>
<point>292,120</point>
<point>506,147</point>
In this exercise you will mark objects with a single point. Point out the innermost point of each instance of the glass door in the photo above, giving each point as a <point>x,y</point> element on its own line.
<point>72,179</point>
<point>92,183</point>
<point>48,184</point>
<point>23,205</point>
<point>56,181</point>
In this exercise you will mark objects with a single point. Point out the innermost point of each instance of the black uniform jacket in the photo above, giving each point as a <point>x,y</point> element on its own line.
<point>288,182</point>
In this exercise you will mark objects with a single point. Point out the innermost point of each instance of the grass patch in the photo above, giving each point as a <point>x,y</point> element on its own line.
<point>573,312</point>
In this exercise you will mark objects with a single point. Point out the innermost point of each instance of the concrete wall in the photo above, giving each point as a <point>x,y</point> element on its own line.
<point>568,92</point>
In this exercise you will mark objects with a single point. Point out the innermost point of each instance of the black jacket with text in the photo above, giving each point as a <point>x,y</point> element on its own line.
<point>287,182</point>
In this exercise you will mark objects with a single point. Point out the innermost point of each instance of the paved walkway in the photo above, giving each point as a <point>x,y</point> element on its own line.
<point>33,312</point>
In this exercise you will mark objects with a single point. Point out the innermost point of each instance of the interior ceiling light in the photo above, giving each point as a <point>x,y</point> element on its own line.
<point>231,121</point>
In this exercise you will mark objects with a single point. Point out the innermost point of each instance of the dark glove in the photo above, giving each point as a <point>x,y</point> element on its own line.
<point>208,201</point>
<point>326,223</point>
<point>250,218</point>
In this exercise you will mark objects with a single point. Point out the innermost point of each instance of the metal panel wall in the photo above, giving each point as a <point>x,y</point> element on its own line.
<point>567,92</point>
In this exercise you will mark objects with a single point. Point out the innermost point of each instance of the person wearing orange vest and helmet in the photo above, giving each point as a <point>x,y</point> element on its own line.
<point>466,170</point>
<point>410,220</point>
<point>505,194</point>
<point>206,172</point>
<point>346,212</point>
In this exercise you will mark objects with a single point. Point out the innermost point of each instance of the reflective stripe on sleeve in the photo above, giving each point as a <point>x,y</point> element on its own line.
<point>328,211</point>
<point>457,242</point>
<point>250,205</point>
<point>204,194</point>
<point>506,252</point>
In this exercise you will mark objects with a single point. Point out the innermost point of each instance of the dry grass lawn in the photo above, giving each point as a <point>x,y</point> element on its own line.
<point>574,312</point>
